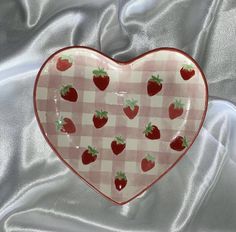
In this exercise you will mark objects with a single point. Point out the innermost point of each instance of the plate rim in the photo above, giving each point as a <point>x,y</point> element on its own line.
<point>120,63</point>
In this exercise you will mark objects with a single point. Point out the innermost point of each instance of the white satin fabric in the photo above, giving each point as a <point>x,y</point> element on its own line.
<point>38,193</point>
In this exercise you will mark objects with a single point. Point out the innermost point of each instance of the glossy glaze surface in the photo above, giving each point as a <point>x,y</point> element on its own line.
<point>120,126</point>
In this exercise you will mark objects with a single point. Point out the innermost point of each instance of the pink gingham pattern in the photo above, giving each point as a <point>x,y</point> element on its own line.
<point>126,82</point>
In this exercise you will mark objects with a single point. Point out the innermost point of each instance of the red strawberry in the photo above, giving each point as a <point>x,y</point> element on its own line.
<point>154,85</point>
<point>101,78</point>
<point>176,109</point>
<point>179,143</point>
<point>187,71</point>
<point>148,163</point>
<point>131,108</point>
<point>120,180</point>
<point>69,93</point>
<point>64,63</point>
<point>100,118</point>
<point>65,125</point>
<point>152,132</point>
<point>118,145</point>
<point>89,155</point>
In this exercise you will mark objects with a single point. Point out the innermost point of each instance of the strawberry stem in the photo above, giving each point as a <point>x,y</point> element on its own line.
<point>188,67</point>
<point>121,176</point>
<point>66,57</point>
<point>92,151</point>
<point>148,128</point>
<point>100,72</point>
<point>131,103</point>
<point>59,123</point>
<point>178,104</point>
<point>119,140</point>
<point>150,158</point>
<point>156,79</point>
<point>101,114</point>
<point>185,142</point>
<point>65,89</point>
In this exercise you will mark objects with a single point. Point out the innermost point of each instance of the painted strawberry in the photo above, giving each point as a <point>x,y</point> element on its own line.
<point>118,145</point>
<point>101,78</point>
<point>179,143</point>
<point>187,71</point>
<point>152,131</point>
<point>89,155</point>
<point>69,93</point>
<point>147,163</point>
<point>120,180</point>
<point>65,125</point>
<point>154,85</point>
<point>64,62</point>
<point>100,118</point>
<point>176,109</point>
<point>131,108</point>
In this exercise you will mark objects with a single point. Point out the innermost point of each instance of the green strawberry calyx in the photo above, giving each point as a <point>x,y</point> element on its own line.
<point>156,79</point>
<point>178,104</point>
<point>119,140</point>
<point>131,103</point>
<point>121,176</point>
<point>65,89</point>
<point>150,158</point>
<point>66,57</point>
<point>92,150</point>
<point>185,142</point>
<point>101,114</point>
<point>59,123</point>
<point>188,67</point>
<point>100,72</point>
<point>148,128</point>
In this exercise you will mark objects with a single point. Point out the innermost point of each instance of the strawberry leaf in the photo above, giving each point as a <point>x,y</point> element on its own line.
<point>148,128</point>
<point>150,158</point>
<point>119,140</point>
<point>59,123</point>
<point>101,114</point>
<point>100,72</point>
<point>120,176</point>
<point>185,142</point>
<point>67,57</point>
<point>65,89</point>
<point>178,104</point>
<point>92,151</point>
<point>156,79</point>
<point>131,103</point>
<point>188,67</point>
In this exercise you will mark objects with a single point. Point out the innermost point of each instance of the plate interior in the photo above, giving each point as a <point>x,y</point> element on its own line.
<point>150,133</point>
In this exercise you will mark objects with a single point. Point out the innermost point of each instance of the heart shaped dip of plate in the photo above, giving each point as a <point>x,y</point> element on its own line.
<point>120,126</point>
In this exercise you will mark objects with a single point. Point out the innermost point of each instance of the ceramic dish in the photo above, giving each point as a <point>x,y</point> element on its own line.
<point>120,126</point>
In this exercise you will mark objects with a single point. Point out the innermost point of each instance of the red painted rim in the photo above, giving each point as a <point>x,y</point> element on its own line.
<point>121,63</point>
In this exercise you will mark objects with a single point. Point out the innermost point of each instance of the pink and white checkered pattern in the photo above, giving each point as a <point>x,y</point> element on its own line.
<point>126,82</point>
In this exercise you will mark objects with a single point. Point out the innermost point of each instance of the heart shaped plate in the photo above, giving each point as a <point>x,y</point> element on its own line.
<point>120,126</point>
